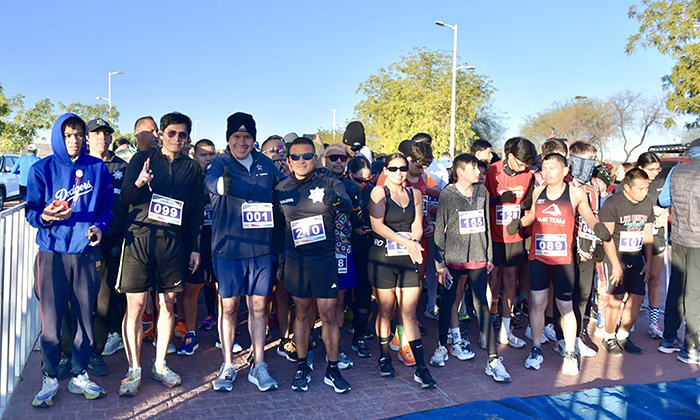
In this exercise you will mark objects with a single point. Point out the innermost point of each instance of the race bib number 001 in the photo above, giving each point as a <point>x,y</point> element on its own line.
<point>471,222</point>
<point>507,212</point>
<point>257,215</point>
<point>166,210</point>
<point>550,245</point>
<point>208,209</point>
<point>395,249</point>
<point>308,230</point>
<point>631,241</point>
<point>342,261</point>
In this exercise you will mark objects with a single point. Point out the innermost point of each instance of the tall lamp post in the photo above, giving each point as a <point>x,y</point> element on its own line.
<point>333,110</point>
<point>109,92</point>
<point>195,129</point>
<point>454,85</point>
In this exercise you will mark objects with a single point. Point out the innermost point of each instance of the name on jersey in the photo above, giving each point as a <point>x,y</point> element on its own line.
<point>76,191</point>
<point>633,220</point>
<point>287,201</point>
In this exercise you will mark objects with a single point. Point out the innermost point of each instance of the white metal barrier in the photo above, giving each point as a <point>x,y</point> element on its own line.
<point>20,319</point>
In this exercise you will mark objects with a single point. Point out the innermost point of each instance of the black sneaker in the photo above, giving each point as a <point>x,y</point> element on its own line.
<point>359,347</point>
<point>385,367</point>
<point>288,350</point>
<point>630,347</point>
<point>64,368</point>
<point>302,377</point>
<point>668,347</point>
<point>422,376</point>
<point>98,365</point>
<point>496,321</point>
<point>613,347</point>
<point>335,379</point>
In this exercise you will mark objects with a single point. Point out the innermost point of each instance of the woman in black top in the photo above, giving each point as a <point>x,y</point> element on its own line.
<point>396,215</point>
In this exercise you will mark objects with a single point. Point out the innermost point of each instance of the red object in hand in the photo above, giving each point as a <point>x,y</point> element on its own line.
<point>60,205</point>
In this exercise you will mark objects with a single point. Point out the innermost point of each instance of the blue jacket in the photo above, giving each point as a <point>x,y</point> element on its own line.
<point>86,184</point>
<point>22,167</point>
<point>229,239</point>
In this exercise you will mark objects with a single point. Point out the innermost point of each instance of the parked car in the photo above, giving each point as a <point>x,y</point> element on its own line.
<point>9,182</point>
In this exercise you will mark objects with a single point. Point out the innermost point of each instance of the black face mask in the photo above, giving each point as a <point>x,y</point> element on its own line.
<point>582,169</point>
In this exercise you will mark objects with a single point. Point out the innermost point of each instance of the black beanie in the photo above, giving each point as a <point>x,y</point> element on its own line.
<point>354,134</point>
<point>240,121</point>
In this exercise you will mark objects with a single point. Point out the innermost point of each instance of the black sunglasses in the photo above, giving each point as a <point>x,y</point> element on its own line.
<point>360,180</point>
<point>335,158</point>
<point>397,168</point>
<point>305,156</point>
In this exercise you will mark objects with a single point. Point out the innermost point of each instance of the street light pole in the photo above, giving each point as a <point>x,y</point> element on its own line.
<point>195,129</point>
<point>333,110</point>
<point>109,93</point>
<point>454,86</point>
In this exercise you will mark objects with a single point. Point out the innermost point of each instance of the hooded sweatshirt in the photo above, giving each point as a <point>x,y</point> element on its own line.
<point>84,183</point>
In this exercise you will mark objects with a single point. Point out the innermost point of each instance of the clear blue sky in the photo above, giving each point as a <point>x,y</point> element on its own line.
<point>288,62</point>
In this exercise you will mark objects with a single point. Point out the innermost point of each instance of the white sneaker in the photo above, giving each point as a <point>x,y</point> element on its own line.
<point>510,339</point>
<point>497,371</point>
<point>171,347</point>
<point>535,359</point>
<point>440,356</point>
<point>559,347</point>
<point>82,384</point>
<point>570,365</point>
<point>550,332</point>
<point>114,344</point>
<point>528,335</point>
<point>583,349</point>
<point>461,350</point>
<point>49,387</point>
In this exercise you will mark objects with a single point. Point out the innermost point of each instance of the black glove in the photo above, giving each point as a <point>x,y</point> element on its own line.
<point>507,197</point>
<point>223,184</point>
<point>514,226</point>
<point>330,197</point>
<point>601,232</point>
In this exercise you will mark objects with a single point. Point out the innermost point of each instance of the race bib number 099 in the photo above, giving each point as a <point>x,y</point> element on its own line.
<point>395,249</point>
<point>631,241</point>
<point>471,222</point>
<point>308,230</point>
<point>507,212</point>
<point>166,210</point>
<point>257,215</point>
<point>550,245</point>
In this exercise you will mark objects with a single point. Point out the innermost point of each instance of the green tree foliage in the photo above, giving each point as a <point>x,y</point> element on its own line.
<point>671,28</point>
<point>18,125</point>
<point>91,112</point>
<point>414,95</point>
<point>327,134</point>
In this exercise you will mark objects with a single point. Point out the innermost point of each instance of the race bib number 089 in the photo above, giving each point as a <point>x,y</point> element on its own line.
<point>166,210</point>
<point>257,215</point>
<point>631,241</point>
<point>308,230</point>
<point>507,212</point>
<point>550,245</point>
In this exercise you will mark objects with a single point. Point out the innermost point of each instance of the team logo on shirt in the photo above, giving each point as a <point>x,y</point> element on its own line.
<point>552,210</point>
<point>75,192</point>
<point>118,174</point>
<point>316,195</point>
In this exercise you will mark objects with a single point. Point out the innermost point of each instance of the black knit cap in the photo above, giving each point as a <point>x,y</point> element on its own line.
<point>240,121</point>
<point>354,134</point>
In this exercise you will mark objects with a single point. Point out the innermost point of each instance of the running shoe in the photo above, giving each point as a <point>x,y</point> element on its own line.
<point>497,371</point>
<point>82,384</point>
<point>461,350</point>
<point>584,349</point>
<point>550,332</point>
<point>190,344</point>
<point>335,379</point>
<point>630,347</point>
<point>98,365</point>
<point>288,350</point>
<point>406,356</point>
<point>423,377</point>
<point>613,347</point>
<point>431,313</point>
<point>302,377</point>
<point>559,347</point>
<point>64,368</point>
<point>668,347</point>
<point>237,348</point>
<point>166,376</point>
<point>440,356</point>
<point>171,347</point>
<point>691,357</point>
<point>510,339</point>
<point>260,377</point>
<point>130,385</point>
<point>49,388</point>
<point>655,332</point>
<point>528,335</point>
<point>385,367</point>
<point>150,333</point>
<point>180,329</point>
<point>310,359</point>
<point>535,359</point>
<point>360,347</point>
<point>570,365</point>
<point>224,380</point>
<point>496,321</point>
<point>395,343</point>
<point>462,314</point>
<point>114,344</point>
<point>208,323</point>
<point>344,361</point>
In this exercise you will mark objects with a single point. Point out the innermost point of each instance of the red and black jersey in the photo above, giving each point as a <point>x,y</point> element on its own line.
<point>497,182</point>
<point>553,230</point>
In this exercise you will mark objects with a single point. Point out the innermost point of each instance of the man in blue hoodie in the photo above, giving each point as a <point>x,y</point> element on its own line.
<point>70,203</point>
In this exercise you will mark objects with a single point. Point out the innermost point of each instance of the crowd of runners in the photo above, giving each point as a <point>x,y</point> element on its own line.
<point>304,231</point>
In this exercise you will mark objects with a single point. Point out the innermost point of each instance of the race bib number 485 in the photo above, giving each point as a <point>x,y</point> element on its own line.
<point>507,212</point>
<point>166,210</point>
<point>308,230</point>
<point>631,241</point>
<point>257,215</point>
<point>471,222</point>
<point>550,245</point>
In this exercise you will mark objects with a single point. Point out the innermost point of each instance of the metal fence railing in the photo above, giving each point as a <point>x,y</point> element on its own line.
<point>20,321</point>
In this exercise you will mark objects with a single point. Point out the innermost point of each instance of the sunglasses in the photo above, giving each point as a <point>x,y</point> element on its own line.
<point>356,148</point>
<point>335,158</point>
<point>278,149</point>
<point>305,156</point>
<point>397,168</point>
<point>180,135</point>
<point>361,180</point>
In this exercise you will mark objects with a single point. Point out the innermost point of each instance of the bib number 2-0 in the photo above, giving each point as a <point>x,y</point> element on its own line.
<point>257,215</point>
<point>166,210</point>
<point>308,230</point>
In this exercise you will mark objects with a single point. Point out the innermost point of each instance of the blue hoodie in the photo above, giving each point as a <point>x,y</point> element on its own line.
<point>86,184</point>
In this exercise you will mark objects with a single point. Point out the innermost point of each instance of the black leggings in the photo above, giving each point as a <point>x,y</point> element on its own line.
<point>478,280</point>
<point>363,291</point>
<point>583,288</point>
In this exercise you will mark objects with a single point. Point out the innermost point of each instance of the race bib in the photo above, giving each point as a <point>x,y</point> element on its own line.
<point>585,231</point>
<point>257,215</point>
<point>395,249</point>
<point>342,261</point>
<point>471,222</point>
<point>308,230</point>
<point>166,210</point>
<point>507,212</point>
<point>631,241</point>
<point>207,214</point>
<point>550,244</point>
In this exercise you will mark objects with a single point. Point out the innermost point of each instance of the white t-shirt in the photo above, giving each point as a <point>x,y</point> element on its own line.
<point>439,173</point>
<point>247,162</point>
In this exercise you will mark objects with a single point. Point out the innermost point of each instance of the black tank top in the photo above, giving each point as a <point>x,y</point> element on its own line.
<point>398,218</point>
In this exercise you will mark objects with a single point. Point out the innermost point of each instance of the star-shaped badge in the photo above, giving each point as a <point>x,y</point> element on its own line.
<point>259,167</point>
<point>118,174</point>
<point>316,195</point>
